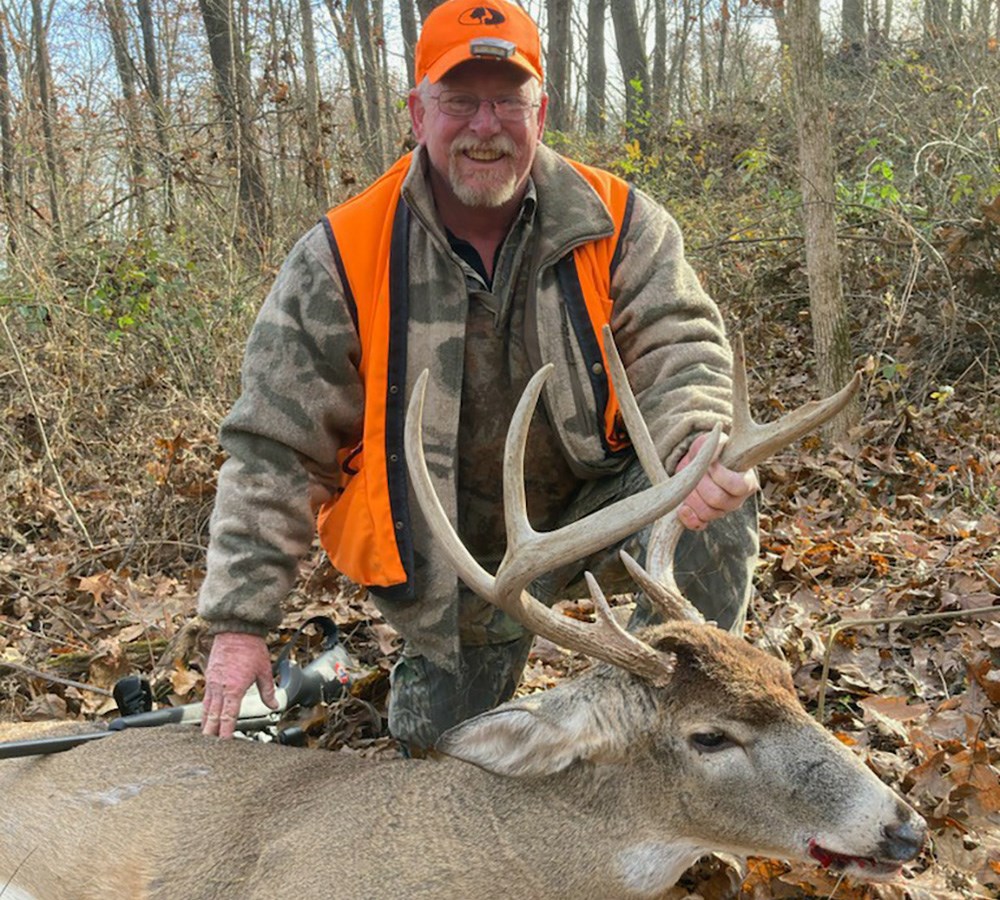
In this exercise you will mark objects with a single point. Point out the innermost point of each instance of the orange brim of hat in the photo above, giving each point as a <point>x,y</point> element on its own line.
<point>458,55</point>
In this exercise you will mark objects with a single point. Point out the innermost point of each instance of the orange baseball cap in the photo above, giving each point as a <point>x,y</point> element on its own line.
<point>458,30</point>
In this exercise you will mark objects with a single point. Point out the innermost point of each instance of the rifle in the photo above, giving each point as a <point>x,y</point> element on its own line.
<point>324,679</point>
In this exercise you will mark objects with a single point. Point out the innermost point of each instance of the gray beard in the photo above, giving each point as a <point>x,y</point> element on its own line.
<point>489,193</point>
<point>479,194</point>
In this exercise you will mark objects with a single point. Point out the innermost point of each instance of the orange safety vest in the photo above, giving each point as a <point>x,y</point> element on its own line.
<point>365,529</point>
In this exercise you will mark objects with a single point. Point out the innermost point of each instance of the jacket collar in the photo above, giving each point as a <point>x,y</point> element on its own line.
<point>569,212</point>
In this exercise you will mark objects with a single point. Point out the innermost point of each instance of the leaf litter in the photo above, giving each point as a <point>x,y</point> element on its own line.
<point>903,523</point>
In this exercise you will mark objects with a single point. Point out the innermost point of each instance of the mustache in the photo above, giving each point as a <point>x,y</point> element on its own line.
<point>499,144</point>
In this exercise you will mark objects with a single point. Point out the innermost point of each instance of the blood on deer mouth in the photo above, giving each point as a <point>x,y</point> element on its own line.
<point>868,865</point>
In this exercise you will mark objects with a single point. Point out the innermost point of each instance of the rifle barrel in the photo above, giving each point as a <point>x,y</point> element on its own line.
<point>13,749</point>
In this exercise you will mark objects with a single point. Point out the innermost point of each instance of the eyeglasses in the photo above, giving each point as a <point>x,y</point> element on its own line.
<point>465,106</point>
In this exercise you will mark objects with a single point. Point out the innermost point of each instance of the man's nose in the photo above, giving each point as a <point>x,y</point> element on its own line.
<point>485,119</point>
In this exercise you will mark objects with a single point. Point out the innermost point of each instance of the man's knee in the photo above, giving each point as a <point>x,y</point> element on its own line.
<point>426,700</point>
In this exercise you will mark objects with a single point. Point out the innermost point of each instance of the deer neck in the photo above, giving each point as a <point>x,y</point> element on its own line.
<point>599,850</point>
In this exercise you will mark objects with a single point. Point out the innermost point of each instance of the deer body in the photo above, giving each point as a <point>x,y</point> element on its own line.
<point>686,740</point>
<point>606,787</point>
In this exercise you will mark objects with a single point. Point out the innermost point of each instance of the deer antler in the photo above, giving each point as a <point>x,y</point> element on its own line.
<point>749,443</point>
<point>530,553</point>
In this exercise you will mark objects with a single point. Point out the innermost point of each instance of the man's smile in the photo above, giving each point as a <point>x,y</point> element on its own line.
<point>483,155</point>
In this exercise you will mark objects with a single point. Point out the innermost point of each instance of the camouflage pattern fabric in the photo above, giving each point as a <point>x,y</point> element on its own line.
<point>426,700</point>
<point>302,399</point>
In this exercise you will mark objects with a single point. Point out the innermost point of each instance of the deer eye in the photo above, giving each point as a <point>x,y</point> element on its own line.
<point>711,741</point>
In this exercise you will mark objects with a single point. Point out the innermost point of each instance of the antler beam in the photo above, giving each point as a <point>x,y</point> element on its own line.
<point>749,444</point>
<point>531,553</point>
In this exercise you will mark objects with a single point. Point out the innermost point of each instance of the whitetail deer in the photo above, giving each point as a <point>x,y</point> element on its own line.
<point>688,740</point>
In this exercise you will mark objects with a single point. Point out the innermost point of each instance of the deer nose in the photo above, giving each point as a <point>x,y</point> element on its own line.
<point>903,841</point>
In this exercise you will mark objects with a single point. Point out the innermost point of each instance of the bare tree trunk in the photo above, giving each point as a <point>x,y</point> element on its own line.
<point>382,57</point>
<point>720,70</point>
<point>957,9</point>
<point>632,56</point>
<point>315,158</point>
<point>6,143</point>
<point>343,25</point>
<point>706,86</point>
<point>935,19</point>
<point>369,70</point>
<point>425,7</point>
<point>557,59</point>
<point>886,22</point>
<point>597,67</point>
<point>677,76</point>
<point>277,54</point>
<point>118,28</point>
<point>408,26</point>
<point>982,14</point>
<point>44,73</point>
<point>831,327</point>
<point>232,82</point>
<point>156,100</point>
<point>659,101</point>
<point>852,25</point>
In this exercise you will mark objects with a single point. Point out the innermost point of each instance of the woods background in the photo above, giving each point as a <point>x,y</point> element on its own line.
<point>836,173</point>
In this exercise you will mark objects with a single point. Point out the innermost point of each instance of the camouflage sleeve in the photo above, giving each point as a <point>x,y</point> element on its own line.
<point>670,334</point>
<point>301,400</point>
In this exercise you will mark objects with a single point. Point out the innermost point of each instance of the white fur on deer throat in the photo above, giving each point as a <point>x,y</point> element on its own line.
<point>13,892</point>
<point>648,868</point>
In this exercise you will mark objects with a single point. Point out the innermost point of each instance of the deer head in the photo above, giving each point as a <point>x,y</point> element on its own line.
<point>702,732</point>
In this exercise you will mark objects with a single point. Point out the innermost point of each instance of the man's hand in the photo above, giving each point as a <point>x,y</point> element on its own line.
<point>720,490</point>
<point>236,662</point>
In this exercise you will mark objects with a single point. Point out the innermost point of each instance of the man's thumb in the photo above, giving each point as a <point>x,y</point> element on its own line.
<point>265,685</point>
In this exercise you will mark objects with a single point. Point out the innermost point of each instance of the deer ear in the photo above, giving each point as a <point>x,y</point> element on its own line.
<point>537,735</point>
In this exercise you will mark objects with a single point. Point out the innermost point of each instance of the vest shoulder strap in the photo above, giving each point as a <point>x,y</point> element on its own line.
<point>366,221</point>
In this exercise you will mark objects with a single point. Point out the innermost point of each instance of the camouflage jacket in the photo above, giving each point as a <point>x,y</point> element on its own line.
<point>302,399</point>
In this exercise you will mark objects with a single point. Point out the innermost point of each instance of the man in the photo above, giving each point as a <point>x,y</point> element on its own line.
<point>480,257</point>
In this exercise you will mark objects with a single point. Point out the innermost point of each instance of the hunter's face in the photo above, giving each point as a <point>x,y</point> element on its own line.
<point>482,155</point>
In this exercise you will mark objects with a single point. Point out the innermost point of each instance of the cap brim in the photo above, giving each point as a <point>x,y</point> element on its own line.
<point>458,55</point>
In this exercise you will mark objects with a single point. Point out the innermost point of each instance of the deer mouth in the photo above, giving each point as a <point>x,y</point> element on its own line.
<point>865,866</point>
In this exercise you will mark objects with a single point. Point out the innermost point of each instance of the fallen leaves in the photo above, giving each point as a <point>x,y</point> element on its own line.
<point>905,522</point>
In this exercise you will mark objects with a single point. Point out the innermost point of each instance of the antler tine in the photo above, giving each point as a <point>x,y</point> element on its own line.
<point>604,614</point>
<point>635,424</point>
<point>473,574</point>
<point>672,603</point>
<point>751,443</point>
<point>657,579</point>
<point>530,553</point>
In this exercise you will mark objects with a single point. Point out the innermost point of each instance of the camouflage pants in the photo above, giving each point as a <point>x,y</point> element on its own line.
<point>714,569</point>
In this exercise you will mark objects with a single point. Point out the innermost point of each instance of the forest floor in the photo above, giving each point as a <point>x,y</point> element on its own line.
<point>878,581</point>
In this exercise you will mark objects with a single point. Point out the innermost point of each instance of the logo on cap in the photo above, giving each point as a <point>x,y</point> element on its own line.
<point>482,15</point>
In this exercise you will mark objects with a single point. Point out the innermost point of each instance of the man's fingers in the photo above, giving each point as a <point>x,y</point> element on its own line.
<point>738,485</point>
<point>237,661</point>
<point>210,713</point>
<point>720,492</point>
<point>230,713</point>
<point>689,518</point>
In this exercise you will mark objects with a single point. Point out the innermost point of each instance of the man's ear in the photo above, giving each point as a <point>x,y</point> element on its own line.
<point>418,110</point>
<point>543,106</point>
